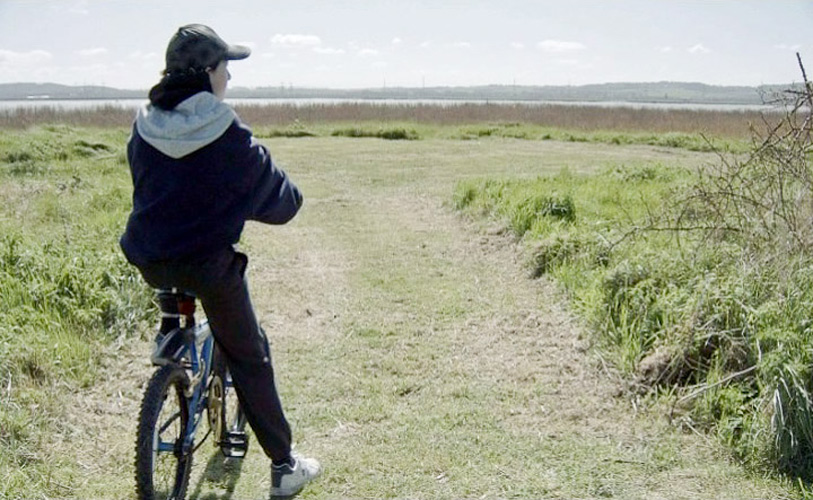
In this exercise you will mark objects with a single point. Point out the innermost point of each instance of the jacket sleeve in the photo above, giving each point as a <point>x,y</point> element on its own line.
<point>274,199</point>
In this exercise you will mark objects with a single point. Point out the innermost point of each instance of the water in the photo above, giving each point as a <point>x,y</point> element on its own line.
<point>71,104</point>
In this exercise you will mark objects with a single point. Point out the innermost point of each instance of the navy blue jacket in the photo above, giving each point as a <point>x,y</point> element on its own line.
<point>193,206</point>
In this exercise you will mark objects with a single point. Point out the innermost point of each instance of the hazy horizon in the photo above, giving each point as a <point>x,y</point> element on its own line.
<point>307,87</point>
<point>365,44</point>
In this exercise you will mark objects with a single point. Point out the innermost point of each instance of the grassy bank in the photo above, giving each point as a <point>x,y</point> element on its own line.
<point>411,359</point>
<point>66,290</point>
<point>697,285</point>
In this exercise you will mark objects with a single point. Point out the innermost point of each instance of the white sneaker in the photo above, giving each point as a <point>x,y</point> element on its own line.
<point>287,481</point>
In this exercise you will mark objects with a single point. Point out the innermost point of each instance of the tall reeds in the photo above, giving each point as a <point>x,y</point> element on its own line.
<point>718,123</point>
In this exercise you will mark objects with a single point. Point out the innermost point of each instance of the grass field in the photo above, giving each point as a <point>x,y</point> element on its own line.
<point>415,355</point>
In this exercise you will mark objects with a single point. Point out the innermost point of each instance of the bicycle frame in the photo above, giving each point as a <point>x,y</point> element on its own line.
<point>198,350</point>
<point>201,368</point>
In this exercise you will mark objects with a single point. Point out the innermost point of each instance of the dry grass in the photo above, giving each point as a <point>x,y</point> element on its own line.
<point>734,124</point>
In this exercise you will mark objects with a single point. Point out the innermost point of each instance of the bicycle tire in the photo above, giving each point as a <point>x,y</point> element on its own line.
<point>163,419</point>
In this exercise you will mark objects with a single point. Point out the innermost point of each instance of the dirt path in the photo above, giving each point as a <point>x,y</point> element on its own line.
<point>417,359</point>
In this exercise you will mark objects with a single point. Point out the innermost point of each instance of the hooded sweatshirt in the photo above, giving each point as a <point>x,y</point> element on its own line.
<point>198,176</point>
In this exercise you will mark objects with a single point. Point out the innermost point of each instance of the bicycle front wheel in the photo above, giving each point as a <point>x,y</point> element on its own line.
<point>162,469</point>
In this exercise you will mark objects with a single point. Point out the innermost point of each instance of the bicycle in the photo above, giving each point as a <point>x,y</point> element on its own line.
<point>191,377</point>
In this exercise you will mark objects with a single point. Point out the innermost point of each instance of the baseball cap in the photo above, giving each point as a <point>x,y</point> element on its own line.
<point>196,46</point>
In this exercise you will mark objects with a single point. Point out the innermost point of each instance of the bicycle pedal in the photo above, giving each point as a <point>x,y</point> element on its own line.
<point>235,445</point>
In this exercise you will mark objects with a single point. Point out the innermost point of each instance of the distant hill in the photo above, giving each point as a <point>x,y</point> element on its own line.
<point>660,92</point>
<point>15,91</point>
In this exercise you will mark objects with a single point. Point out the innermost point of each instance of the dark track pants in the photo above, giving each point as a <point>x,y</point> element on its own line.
<point>220,284</point>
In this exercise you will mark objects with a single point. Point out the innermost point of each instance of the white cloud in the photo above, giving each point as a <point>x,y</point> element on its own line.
<point>784,46</point>
<point>573,64</point>
<point>397,41</point>
<point>560,46</point>
<point>426,44</point>
<point>32,57</point>
<point>80,7</point>
<point>97,51</point>
<point>367,53</point>
<point>699,49</point>
<point>664,50</point>
<point>328,51</point>
<point>461,45</point>
<point>291,40</point>
<point>143,56</point>
<point>518,45</point>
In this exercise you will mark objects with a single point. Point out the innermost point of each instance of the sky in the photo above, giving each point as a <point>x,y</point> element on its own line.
<point>415,43</point>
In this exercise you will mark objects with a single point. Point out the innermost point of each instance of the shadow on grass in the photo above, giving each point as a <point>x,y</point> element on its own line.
<point>222,474</point>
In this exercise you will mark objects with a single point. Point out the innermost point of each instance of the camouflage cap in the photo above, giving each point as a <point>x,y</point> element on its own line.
<point>198,47</point>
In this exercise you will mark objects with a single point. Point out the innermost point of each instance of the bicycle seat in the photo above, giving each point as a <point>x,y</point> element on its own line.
<point>169,342</point>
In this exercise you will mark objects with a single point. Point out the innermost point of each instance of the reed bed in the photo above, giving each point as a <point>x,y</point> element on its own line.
<point>718,123</point>
<point>576,117</point>
<point>97,116</point>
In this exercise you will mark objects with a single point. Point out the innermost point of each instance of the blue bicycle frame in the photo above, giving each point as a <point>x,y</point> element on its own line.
<point>196,356</point>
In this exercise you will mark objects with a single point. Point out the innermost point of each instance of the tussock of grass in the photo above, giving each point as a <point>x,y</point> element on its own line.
<point>521,205</point>
<point>388,133</point>
<point>295,129</point>
<point>272,133</point>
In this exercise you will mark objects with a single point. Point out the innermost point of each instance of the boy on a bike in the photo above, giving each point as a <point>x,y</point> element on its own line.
<point>198,176</point>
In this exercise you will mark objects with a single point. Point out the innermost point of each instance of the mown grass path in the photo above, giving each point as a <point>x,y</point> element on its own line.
<point>414,355</point>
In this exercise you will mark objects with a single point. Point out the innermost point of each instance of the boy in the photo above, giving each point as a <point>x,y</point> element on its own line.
<point>197,177</point>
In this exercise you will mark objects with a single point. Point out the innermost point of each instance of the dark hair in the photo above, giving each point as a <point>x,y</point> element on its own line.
<point>175,88</point>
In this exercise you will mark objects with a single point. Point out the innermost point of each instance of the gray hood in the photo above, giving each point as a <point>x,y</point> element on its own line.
<point>192,125</point>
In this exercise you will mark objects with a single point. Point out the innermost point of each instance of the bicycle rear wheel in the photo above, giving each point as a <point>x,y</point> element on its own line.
<point>162,470</point>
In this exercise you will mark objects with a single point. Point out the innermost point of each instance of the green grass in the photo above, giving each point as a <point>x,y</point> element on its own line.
<point>66,290</point>
<point>705,322</point>
<point>406,354</point>
<point>506,130</point>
